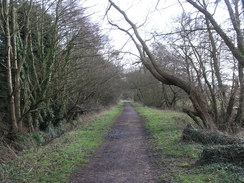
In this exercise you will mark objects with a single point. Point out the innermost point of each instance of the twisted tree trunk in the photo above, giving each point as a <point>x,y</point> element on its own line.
<point>149,61</point>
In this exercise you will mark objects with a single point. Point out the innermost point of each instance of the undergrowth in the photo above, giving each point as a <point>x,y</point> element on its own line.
<point>177,159</point>
<point>56,161</point>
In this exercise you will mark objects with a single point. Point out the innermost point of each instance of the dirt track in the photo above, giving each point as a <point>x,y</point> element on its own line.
<point>123,157</point>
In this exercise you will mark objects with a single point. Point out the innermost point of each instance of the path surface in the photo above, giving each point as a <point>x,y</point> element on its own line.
<point>123,157</point>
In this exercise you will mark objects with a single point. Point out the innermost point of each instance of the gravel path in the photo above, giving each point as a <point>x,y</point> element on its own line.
<point>123,157</point>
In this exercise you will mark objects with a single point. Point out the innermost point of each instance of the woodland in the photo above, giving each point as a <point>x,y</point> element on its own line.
<point>56,64</point>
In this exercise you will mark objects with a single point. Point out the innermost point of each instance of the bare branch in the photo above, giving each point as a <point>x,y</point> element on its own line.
<point>235,51</point>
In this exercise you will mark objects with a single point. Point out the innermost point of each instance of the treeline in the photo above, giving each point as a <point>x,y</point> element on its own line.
<point>145,89</point>
<point>53,65</point>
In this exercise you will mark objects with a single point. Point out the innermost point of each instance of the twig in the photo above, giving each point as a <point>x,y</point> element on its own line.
<point>10,149</point>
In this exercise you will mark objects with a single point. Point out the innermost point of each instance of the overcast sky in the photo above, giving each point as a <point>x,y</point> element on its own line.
<point>159,18</point>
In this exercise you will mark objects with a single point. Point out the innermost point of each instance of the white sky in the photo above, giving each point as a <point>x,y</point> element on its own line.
<point>160,18</point>
<point>137,10</point>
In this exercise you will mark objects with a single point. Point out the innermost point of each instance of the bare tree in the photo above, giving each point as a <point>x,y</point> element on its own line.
<point>149,61</point>
<point>234,9</point>
<point>201,49</point>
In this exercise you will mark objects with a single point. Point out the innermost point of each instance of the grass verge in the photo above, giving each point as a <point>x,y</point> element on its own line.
<point>176,158</point>
<point>56,161</point>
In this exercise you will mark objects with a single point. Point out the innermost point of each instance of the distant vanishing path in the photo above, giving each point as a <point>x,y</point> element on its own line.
<point>123,157</point>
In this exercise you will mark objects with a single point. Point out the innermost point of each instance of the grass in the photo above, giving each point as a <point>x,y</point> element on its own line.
<point>176,158</point>
<point>56,161</point>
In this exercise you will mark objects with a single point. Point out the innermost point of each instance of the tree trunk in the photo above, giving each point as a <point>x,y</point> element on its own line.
<point>205,137</point>
<point>15,65</point>
<point>240,112</point>
<point>12,113</point>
